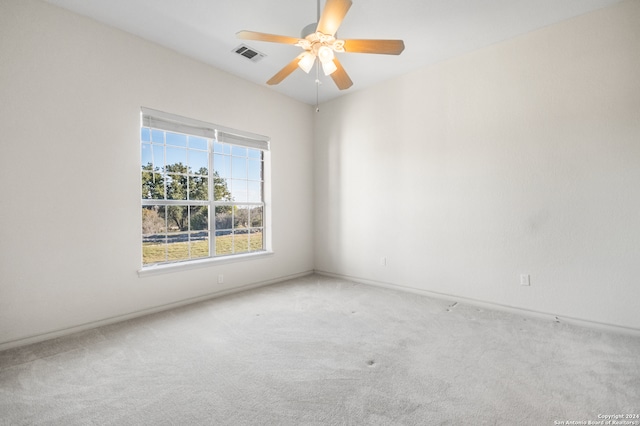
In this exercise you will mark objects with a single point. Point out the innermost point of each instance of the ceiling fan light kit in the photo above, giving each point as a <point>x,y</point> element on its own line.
<point>306,61</point>
<point>321,46</point>
<point>319,42</point>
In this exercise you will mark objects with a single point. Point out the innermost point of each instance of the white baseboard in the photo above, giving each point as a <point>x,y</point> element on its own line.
<point>473,302</point>
<point>493,306</point>
<point>112,320</point>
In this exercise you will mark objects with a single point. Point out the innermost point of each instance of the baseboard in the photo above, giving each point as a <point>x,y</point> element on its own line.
<point>112,320</point>
<point>443,296</point>
<point>490,305</point>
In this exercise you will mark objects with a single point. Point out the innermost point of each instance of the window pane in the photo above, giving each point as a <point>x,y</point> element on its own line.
<point>153,234</point>
<point>155,251</point>
<point>238,151</point>
<point>177,218</point>
<point>255,153</point>
<point>221,190</point>
<point>254,192</point>
<point>176,139</point>
<point>176,187</point>
<point>146,155</point>
<point>177,246</point>
<point>255,169</point>
<point>199,218</point>
<point>157,136</point>
<point>224,242</point>
<point>199,240</point>
<point>177,235</point>
<point>255,217</point>
<point>224,219</point>
<point>198,143</point>
<point>145,134</point>
<point>255,240</point>
<point>240,217</point>
<point>199,244</point>
<point>241,241</point>
<point>152,185</point>
<point>198,162</point>
<point>153,221</point>
<point>199,188</point>
<point>239,168</point>
<point>157,152</point>
<point>239,190</point>
<point>222,165</point>
<point>176,156</point>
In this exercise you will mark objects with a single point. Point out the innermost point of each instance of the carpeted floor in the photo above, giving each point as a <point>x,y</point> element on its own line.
<point>323,351</point>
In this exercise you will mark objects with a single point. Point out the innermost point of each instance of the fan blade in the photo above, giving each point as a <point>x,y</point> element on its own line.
<point>340,76</point>
<point>332,16</point>
<point>284,72</point>
<point>252,35</point>
<point>385,47</point>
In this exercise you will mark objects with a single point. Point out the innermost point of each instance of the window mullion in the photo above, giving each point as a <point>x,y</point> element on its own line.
<point>164,163</point>
<point>188,230</point>
<point>212,213</point>
<point>166,235</point>
<point>153,202</point>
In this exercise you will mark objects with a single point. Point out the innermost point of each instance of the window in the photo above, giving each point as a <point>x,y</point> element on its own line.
<point>203,190</point>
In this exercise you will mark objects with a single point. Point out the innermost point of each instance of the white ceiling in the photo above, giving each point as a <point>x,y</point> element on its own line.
<point>433,30</point>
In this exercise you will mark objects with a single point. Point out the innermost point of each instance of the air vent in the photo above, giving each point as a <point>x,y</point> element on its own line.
<point>249,53</point>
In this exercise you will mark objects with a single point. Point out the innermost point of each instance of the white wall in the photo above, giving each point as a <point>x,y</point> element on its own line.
<point>70,96</point>
<point>523,157</point>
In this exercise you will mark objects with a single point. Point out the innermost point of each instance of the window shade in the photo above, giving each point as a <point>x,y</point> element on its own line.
<point>175,123</point>
<point>243,141</point>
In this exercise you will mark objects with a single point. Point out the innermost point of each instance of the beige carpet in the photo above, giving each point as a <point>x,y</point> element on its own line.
<point>322,351</point>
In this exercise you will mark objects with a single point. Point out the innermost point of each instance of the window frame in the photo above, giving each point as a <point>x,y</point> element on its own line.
<point>213,133</point>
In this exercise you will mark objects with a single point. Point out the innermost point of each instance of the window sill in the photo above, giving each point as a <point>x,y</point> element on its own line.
<point>200,263</point>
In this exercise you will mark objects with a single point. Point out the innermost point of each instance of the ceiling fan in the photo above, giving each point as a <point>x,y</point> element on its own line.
<point>319,41</point>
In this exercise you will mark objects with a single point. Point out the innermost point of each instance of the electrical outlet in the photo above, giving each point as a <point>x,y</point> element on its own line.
<point>525,279</point>
<point>383,261</point>
<point>220,278</point>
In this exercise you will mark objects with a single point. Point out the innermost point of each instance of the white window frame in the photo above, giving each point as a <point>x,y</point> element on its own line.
<point>174,123</point>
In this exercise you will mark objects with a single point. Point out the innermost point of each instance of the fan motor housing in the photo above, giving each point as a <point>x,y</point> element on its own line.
<point>310,29</point>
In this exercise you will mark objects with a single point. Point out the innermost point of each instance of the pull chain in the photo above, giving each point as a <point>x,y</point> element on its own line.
<point>318,83</point>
